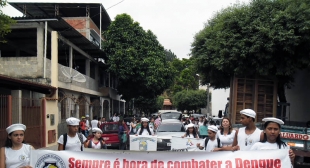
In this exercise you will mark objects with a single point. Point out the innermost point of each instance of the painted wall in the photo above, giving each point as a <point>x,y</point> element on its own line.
<point>299,97</point>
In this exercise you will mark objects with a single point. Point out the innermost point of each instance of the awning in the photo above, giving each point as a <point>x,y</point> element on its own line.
<point>18,84</point>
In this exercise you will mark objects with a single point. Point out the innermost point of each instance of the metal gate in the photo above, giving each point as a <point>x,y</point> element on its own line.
<point>5,116</point>
<point>32,118</point>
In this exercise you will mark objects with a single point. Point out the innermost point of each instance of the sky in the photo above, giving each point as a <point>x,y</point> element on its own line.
<point>174,22</point>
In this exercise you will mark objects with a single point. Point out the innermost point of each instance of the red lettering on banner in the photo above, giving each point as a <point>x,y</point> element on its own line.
<point>160,164</point>
<point>246,164</point>
<point>277,163</point>
<point>194,163</point>
<point>238,163</point>
<point>266,163</point>
<point>71,164</point>
<point>185,164</point>
<point>262,163</point>
<point>170,164</point>
<point>288,135</point>
<point>213,164</point>
<point>254,163</point>
<point>202,164</point>
<point>228,164</point>
<point>78,163</point>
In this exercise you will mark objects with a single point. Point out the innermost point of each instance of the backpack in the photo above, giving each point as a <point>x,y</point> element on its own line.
<point>65,140</point>
<point>101,143</point>
<point>218,143</point>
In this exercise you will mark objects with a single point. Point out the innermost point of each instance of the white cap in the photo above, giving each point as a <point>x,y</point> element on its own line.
<point>144,119</point>
<point>213,128</point>
<point>86,115</point>
<point>96,130</point>
<point>15,127</point>
<point>190,125</point>
<point>72,121</point>
<point>248,112</point>
<point>273,119</point>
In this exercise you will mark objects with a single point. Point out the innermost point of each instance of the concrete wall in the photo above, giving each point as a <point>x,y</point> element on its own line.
<point>299,97</point>
<point>20,67</point>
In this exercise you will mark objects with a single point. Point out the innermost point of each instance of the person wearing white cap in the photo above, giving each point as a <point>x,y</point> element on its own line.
<point>211,143</point>
<point>272,139</point>
<point>96,142</point>
<point>145,129</point>
<point>246,136</point>
<point>190,131</point>
<point>15,152</point>
<point>72,141</point>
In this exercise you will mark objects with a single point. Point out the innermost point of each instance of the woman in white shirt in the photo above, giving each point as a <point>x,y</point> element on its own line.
<point>15,153</point>
<point>145,129</point>
<point>191,132</point>
<point>226,133</point>
<point>272,139</point>
<point>96,142</point>
<point>133,125</point>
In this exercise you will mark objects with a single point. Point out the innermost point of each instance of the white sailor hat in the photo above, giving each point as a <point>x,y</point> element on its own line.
<point>72,121</point>
<point>213,128</point>
<point>86,115</point>
<point>273,119</point>
<point>96,130</point>
<point>248,112</point>
<point>190,125</point>
<point>15,127</point>
<point>144,119</point>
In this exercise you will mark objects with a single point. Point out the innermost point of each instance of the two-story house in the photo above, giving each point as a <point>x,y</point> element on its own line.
<point>52,67</point>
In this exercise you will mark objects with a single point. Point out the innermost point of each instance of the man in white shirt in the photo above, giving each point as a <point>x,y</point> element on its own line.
<point>88,129</point>
<point>72,141</point>
<point>94,122</point>
<point>247,136</point>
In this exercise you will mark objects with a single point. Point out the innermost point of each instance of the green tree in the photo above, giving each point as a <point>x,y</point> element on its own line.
<point>136,57</point>
<point>170,56</point>
<point>267,38</point>
<point>5,23</point>
<point>190,100</point>
<point>149,105</point>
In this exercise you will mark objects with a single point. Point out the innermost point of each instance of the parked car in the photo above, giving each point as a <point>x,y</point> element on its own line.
<point>165,131</point>
<point>110,134</point>
<point>196,116</point>
<point>171,115</point>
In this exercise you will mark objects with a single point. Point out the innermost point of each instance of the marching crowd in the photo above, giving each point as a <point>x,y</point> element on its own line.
<point>16,153</point>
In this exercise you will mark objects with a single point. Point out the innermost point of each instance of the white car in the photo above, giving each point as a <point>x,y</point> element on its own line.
<point>165,131</point>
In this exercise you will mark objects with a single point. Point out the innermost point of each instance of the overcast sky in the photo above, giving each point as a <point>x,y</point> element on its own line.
<point>175,22</point>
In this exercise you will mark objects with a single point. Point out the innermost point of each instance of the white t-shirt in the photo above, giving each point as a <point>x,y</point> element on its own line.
<point>200,124</point>
<point>17,158</point>
<point>145,132</point>
<point>95,146</point>
<point>245,141</point>
<point>267,146</point>
<point>94,123</point>
<point>228,139</point>
<point>133,129</point>
<point>191,136</point>
<point>115,118</point>
<point>211,145</point>
<point>73,143</point>
<point>87,124</point>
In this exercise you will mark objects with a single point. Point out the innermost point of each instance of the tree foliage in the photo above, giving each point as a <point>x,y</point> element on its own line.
<point>170,56</point>
<point>149,105</point>
<point>5,23</point>
<point>269,38</point>
<point>136,57</point>
<point>185,76</point>
<point>190,100</point>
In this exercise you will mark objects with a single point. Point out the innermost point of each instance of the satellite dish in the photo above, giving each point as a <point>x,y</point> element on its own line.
<point>73,74</point>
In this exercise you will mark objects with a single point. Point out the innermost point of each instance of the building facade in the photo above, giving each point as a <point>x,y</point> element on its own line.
<point>58,45</point>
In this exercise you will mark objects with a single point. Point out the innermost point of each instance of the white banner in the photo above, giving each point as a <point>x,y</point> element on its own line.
<point>124,159</point>
<point>143,143</point>
<point>188,144</point>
